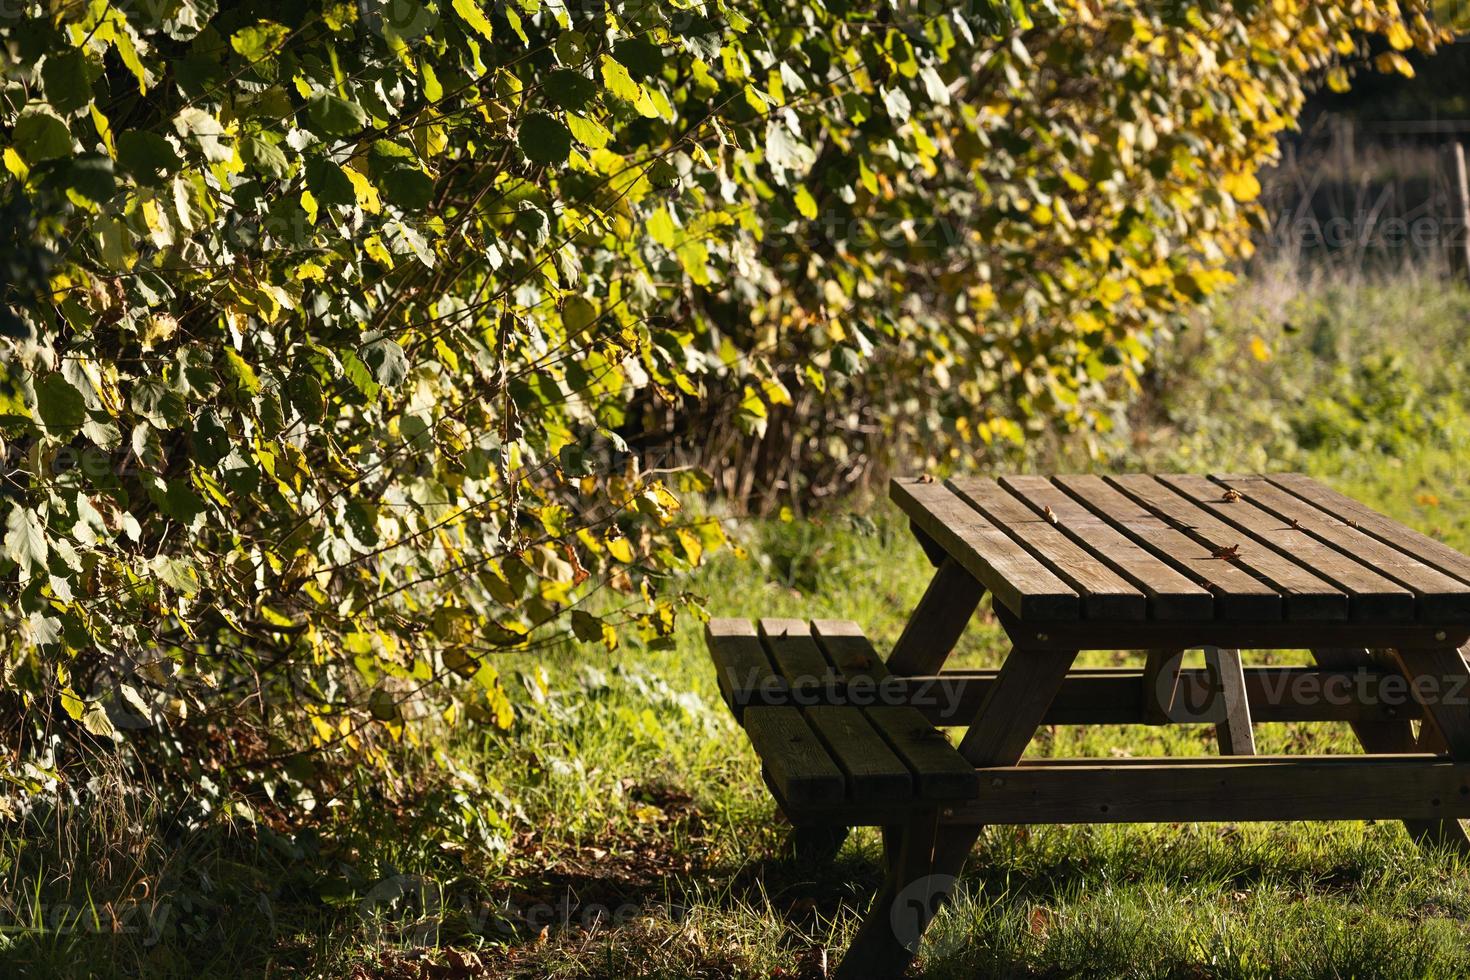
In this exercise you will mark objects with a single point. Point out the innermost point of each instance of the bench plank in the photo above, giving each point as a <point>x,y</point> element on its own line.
<point>1238,594</point>
<point>796,761</point>
<point>744,672</point>
<point>1371,596</point>
<point>1105,594</point>
<point>848,649</point>
<point>874,773</point>
<point>1012,574</point>
<point>796,654</point>
<point>1171,595</point>
<point>940,773</point>
<point>1305,595</point>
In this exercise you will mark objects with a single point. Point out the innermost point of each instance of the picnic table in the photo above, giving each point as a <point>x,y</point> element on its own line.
<point>1155,563</point>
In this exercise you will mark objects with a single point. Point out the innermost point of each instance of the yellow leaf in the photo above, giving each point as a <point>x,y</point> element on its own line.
<point>1392,61</point>
<point>367,194</point>
<point>1259,350</point>
<point>469,11</point>
<point>15,164</point>
<point>1337,79</point>
<point>1398,36</point>
<point>1243,186</point>
<point>806,204</point>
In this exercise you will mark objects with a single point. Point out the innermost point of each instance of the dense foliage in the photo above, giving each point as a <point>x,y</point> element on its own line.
<point>352,343</point>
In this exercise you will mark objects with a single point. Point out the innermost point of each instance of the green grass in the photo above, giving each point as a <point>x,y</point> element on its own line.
<point>621,829</point>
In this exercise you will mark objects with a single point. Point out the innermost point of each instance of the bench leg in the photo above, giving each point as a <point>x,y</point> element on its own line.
<point>815,846</point>
<point>1389,737</point>
<point>912,891</point>
<point>923,860</point>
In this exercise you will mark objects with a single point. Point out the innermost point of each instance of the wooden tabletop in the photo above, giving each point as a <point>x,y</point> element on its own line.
<point>1182,549</point>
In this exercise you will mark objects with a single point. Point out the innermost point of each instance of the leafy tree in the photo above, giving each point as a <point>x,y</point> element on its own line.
<point>336,330</point>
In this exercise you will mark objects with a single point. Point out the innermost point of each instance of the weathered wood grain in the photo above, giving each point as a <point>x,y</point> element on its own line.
<point>1106,595</point>
<point>1305,595</point>
<point>1371,595</point>
<point>1237,594</point>
<point>1011,574</point>
<point>1171,594</point>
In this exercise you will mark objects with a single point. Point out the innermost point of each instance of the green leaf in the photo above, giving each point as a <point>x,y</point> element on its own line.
<point>239,373</point>
<point>330,115</point>
<point>25,538</point>
<point>328,183</point>
<point>264,157</point>
<point>544,139</point>
<point>469,11</point>
<point>619,82</point>
<point>408,187</point>
<point>259,41</point>
<point>40,134</point>
<point>387,362</point>
<point>204,130</point>
<point>90,175</point>
<point>578,314</point>
<point>571,47</point>
<point>67,79</point>
<point>570,89</point>
<point>147,157</point>
<point>61,407</point>
<point>643,58</point>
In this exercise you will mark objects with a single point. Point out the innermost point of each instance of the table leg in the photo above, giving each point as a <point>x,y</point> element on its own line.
<point>924,859</point>
<point>938,620</point>
<point>1161,684</point>
<point>1389,737</point>
<point>1233,732</point>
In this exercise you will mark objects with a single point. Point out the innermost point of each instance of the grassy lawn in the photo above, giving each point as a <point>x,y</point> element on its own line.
<point>621,829</point>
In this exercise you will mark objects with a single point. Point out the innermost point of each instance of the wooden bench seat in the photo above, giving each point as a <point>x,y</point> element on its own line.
<point>835,747</point>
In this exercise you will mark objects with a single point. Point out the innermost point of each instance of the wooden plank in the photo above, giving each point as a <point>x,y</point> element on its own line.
<point>796,654</point>
<point>1012,575</point>
<point>1246,635</point>
<point>795,760</point>
<point>744,672</point>
<point>848,649</point>
<point>1233,731</point>
<point>940,773</point>
<point>1440,597</point>
<point>874,773</point>
<point>1232,788</point>
<point>1015,705</point>
<point>1374,524</point>
<point>1237,594</point>
<point>1105,594</point>
<point>1118,696</point>
<point>1171,595</point>
<point>1305,595</point>
<point>938,621</point>
<point>1371,595</point>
